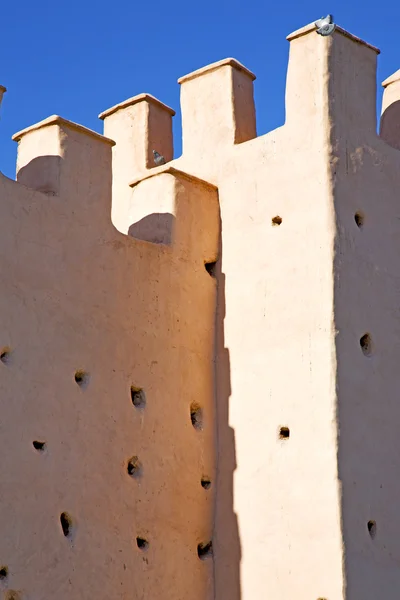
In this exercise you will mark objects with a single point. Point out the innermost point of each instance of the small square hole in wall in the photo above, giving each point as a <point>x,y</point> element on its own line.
<point>134,468</point>
<point>3,573</point>
<point>284,433</point>
<point>206,483</point>
<point>138,397</point>
<point>142,543</point>
<point>366,344</point>
<point>371,526</point>
<point>359,219</point>
<point>205,550</point>
<point>66,524</point>
<point>276,221</point>
<point>82,378</point>
<point>196,416</point>
<point>210,267</point>
<point>39,446</point>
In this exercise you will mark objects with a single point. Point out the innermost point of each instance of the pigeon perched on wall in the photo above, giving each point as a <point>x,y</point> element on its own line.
<point>325,26</point>
<point>158,158</point>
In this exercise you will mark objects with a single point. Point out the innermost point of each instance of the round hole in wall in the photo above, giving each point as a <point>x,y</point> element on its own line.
<point>196,415</point>
<point>40,446</point>
<point>366,344</point>
<point>138,397</point>
<point>205,550</point>
<point>5,356</point>
<point>206,483</point>
<point>371,526</point>
<point>142,543</point>
<point>81,378</point>
<point>284,433</point>
<point>66,524</point>
<point>134,467</point>
<point>359,219</point>
<point>276,221</point>
<point>3,572</point>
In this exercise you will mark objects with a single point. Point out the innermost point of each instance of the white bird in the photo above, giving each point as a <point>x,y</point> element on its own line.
<point>325,26</point>
<point>158,158</point>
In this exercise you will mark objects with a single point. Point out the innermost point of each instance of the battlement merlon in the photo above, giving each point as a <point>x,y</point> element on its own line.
<point>173,207</point>
<point>332,76</point>
<point>62,158</point>
<point>138,125</point>
<point>217,105</point>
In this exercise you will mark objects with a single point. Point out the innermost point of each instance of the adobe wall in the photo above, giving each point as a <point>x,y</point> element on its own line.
<point>291,377</point>
<point>275,340</point>
<point>366,183</point>
<point>270,421</point>
<point>277,519</point>
<point>77,295</point>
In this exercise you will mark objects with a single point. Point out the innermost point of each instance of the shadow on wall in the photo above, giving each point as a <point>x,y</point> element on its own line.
<point>390,125</point>
<point>367,379</point>
<point>226,533</point>
<point>156,228</point>
<point>42,174</point>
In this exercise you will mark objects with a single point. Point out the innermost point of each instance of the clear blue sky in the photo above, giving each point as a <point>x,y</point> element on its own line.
<point>78,58</point>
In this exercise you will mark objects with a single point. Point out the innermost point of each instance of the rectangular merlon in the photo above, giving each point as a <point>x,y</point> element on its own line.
<point>172,207</point>
<point>320,79</point>
<point>59,157</point>
<point>138,125</point>
<point>218,110</point>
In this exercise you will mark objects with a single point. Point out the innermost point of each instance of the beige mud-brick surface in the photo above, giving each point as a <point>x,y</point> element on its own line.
<point>270,421</point>
<point>76,295</point>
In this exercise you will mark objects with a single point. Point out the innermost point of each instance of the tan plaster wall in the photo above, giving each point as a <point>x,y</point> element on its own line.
<point>77,294</point>
<point>277,515</point>
<point>297,285</point>
<point>366,177</point>
<point>276,348</point>
<point>283,514</point>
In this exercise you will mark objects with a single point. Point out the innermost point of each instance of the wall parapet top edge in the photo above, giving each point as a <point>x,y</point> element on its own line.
<point>173,171</point>
<point>3,89</point>
<point>135,100</point>
<point>232,62</point>
<point>57,120</point>
<point>312,27</point>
